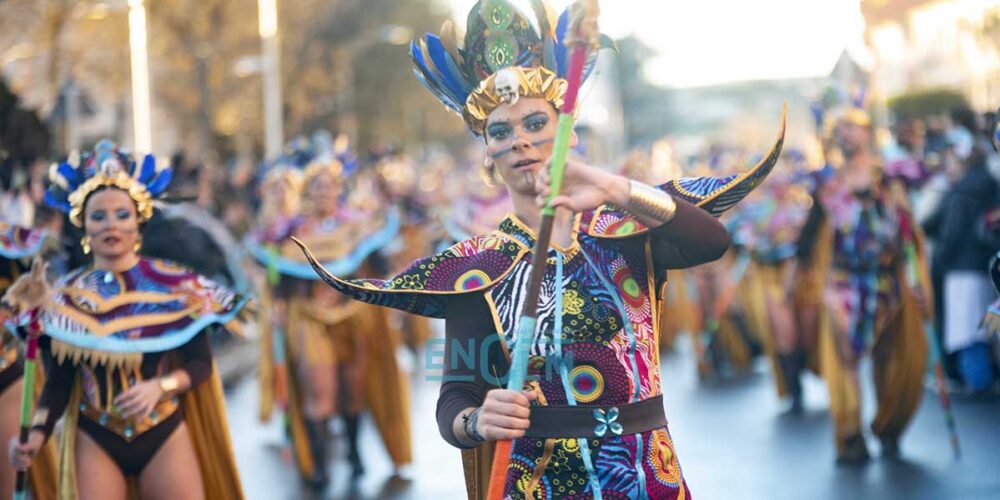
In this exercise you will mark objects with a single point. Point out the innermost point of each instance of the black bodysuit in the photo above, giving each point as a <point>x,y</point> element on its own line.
<point>195,358</point>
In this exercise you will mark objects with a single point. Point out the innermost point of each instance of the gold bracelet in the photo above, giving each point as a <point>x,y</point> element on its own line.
<point>169,384</point>
<point>650,202</point>
<point>40,418</point>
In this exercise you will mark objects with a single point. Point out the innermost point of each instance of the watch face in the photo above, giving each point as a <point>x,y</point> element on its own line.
<point>995,129</point>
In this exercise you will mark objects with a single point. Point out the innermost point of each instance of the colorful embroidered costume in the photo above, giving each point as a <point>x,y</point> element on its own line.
<point>105,332</point>
<point>606,290</point>
<point>319,328</point>
<point>858,255</point>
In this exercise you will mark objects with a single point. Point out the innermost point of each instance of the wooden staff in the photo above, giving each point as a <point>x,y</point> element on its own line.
<point>582,36</point>
<point>28,296</point>
<point>27,399</point>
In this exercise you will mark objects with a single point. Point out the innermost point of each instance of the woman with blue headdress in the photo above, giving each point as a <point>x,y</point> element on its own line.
<point>334,369</point>
<point>590,423</point>
<point>124,339</point>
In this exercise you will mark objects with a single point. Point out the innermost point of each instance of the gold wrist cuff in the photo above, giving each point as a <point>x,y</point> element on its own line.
<point>41,417</point>
<point>650,202</point>
<point>169,384</point>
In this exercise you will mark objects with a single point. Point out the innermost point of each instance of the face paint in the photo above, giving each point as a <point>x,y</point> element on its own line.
<point>509,150</point>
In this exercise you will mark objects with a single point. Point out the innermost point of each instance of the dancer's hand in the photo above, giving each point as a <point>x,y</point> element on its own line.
<point>139,400</point>
<point>584,187</point>
<point>504,414</point>
<point>21,455</point>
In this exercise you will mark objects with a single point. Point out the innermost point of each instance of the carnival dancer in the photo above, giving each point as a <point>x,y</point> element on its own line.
<point>770,225</point>
<point>334,367</point>
<point>18,245</point>
<point>279,192</point>
<point>857,238</point>
<point>594,426</point>
<point>127,355</point>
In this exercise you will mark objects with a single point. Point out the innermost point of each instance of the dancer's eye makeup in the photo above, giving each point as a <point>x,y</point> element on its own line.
<point>536,122</point>
<point>499,130</point>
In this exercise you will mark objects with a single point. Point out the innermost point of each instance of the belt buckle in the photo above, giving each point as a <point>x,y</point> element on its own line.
<point>607,421</point>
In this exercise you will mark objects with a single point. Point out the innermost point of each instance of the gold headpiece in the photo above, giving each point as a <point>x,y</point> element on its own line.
<point>331,167</point>
<point>136,190</point>
<point>531,82</point>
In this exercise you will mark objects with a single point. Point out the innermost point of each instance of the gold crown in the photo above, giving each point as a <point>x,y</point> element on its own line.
<point>332,167</point>
<point>116,179</point>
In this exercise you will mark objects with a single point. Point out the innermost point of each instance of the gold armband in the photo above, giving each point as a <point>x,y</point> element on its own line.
<point>650,202</point>
<point>41,417</point>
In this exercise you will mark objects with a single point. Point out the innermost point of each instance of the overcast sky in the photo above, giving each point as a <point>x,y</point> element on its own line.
<point>704,42</point>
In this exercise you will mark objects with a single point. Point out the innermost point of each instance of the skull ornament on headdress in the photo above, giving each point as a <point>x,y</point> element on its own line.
<point>508,89</point>
<point>507,54</point>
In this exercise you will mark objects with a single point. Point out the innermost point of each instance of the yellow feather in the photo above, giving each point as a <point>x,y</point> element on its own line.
<point>449,38</point>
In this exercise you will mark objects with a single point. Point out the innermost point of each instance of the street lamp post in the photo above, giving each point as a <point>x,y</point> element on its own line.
<point>271,66</point>
<point>71,137</point>
<point>141,120</point>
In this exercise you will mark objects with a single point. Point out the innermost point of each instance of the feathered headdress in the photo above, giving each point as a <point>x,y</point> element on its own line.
<point>331,156</point>
<point>106,166</point>
<point>836,106</point>
<point>506,54</point>
<point>288,167</point>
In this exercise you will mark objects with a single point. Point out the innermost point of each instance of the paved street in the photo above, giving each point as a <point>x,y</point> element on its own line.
<point>730,437</point>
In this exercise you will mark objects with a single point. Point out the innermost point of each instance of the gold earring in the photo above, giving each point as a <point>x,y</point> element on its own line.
<point>137,246</point>
<point>85,243</point>
<point>489,174</point>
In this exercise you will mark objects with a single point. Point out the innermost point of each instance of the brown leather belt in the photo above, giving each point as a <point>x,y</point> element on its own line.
<point>596,421</point>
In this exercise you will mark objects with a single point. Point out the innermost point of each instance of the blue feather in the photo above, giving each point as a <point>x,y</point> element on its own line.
<point>162,181</point>
<point>426,77</point>
<point>71,175</point>
<point>560,48</point>
<point>148,169</point>
<point>446,66</point>
<point>57,202</point>
<point>436,76</point>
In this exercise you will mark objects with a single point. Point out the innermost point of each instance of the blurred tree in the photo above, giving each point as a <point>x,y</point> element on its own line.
<point>23,136</point>
<point>924,103</point>
<point>195,45</point>
<point>50,42</point>
<point>345,66</point>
